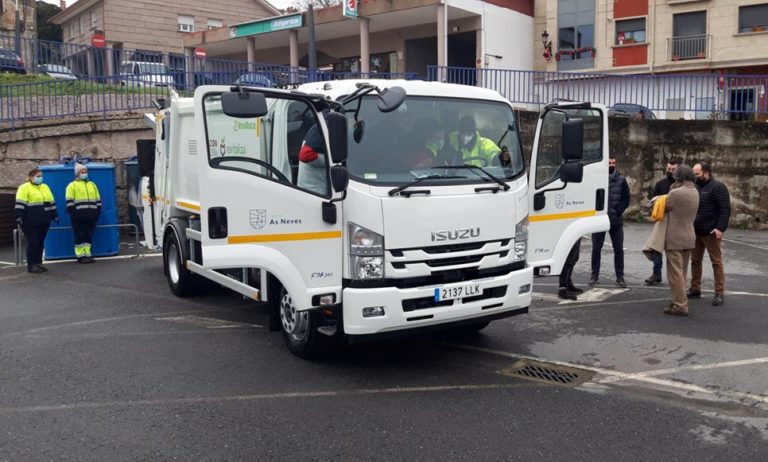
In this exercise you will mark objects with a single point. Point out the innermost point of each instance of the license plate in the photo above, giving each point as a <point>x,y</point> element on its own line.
<point>456,292</point>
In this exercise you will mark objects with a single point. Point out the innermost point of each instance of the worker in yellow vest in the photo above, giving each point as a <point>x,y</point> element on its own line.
<point>474,149</point>
<point>35,209</point>
<point>84,207</point>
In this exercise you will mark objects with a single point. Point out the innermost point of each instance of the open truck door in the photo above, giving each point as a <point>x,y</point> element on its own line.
<point>267,200</point>
<point>568,182</point>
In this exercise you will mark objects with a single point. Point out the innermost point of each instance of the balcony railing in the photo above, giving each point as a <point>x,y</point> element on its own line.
<point>688,47</point>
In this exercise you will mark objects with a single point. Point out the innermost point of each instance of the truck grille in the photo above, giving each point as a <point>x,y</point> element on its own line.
<point>465,256</point>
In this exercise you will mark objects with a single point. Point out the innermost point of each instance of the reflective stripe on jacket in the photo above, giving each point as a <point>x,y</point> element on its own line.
<point>35,204</point>
<point>83,200</point>
<point>483,148</point>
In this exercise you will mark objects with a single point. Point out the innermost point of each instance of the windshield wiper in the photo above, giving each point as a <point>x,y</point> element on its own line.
<point>475,167</point>
<point>405,186</point>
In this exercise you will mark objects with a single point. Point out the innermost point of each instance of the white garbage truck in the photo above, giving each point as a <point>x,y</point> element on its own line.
<point>365,209</point>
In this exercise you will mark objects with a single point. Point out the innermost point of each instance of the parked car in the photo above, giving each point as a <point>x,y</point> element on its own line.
<point>57,71</point>
<point>635,111</point>
<point>255,79</point>
<point>144,74</point>
<point>11,62</point>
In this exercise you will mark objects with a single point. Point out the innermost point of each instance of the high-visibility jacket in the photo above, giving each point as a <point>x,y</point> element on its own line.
<point>83,200</point>
<point>35,204</point>
<point>483,148</point>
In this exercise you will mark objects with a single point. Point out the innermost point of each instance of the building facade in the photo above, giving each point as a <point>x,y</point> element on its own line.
<point>640,36</point>
<point>27,18</point>
<point>668,39</point>
<point>153,25</point>
<point>387,36</point>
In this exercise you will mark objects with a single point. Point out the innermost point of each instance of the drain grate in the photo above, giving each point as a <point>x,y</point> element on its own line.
<point>548,373</point>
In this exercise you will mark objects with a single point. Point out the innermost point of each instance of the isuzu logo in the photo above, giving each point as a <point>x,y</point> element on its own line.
<point>455,234</point>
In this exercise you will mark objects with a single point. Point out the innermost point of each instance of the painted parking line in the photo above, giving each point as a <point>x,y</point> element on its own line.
<point>666,289</point>
<point>589,296</point>
<point>745,244</point>
<point>260,397</point>
<point>58,262</point>
<point>208,323</point>
<point>696,367</point>
<point>610,376</point>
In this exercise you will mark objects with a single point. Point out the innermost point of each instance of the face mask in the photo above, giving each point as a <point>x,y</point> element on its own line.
<point>467,138</point>
<point>37,180</point>
<point>438,143</point>
<point>671,176</point>
<point>83,176</point>
<point>699,179</point>
<point>611,169</point>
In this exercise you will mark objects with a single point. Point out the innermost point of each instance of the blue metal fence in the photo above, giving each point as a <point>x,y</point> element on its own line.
<point>671,96</point>
<point>104,80</point>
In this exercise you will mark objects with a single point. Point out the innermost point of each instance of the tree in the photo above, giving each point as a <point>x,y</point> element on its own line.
<point>302,5</point>
<point>46,30</point>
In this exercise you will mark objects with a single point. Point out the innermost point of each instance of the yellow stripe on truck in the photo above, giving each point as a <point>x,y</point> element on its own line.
<point>188,205</point>
<point>563,216</point>
<point>283,237</point>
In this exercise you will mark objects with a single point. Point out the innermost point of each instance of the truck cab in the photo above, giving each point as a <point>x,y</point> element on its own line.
<point>365,209</point>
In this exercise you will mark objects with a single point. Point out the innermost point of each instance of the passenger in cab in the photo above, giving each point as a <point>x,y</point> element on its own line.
<point>474,149</point>
<point>312,163</point>
<point>429,147</point>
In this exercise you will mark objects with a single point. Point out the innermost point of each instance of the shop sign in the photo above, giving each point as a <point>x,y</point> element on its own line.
<point>266,25</point>
<point>350,8</point>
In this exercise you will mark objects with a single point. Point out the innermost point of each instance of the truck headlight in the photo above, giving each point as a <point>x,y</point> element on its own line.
<point>521,239</point>
<point>366,253</point>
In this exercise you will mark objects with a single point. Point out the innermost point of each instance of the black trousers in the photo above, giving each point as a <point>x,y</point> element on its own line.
<point>617,241</point>
<point>83,231</point>
<point>35,240</point>
<point>570,262</point>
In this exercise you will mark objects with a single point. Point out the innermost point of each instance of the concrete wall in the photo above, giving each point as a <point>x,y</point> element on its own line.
<point>737,151</point>
<point>112,140</point>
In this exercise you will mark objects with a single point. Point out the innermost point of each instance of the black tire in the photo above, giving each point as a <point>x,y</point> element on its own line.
<point>182,282</point>
<point>300,329</point>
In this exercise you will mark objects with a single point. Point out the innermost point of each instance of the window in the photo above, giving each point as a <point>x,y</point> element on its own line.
<point>753,18</point>
<point>94,17</point>
<point>285,145</point>
<point>215,23</point>
<point>551,140</point>
<point>186,23</point>
<point>424,133</point>
<point>690,39</point>
<point>571,39</point>
<point>630,31</point>
<point>85,20</point>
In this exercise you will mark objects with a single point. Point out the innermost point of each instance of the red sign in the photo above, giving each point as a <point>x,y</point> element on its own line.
<point>200,53</point>
<point>98,40</point>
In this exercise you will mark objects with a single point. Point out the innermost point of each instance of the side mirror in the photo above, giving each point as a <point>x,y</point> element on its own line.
<point>571,172</point>
<point>573,139</point>
<point>337,136</point>
<point>391,98</point>
<point>339,178</point>
<point>244,104</point>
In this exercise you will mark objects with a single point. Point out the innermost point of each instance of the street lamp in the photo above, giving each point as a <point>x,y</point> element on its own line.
<point>17,29</point>
<point>547,45</point>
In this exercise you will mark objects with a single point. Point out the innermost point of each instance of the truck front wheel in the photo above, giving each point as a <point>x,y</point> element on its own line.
<point>299,329</point>
<point>182,282</point>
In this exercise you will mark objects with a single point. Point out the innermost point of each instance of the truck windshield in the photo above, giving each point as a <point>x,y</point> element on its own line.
<point>426,133</point>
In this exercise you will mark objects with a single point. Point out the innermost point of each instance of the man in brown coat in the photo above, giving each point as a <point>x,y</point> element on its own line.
<point>682,205</point>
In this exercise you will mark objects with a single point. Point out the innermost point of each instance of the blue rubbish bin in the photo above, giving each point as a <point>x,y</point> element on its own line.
<point>60,244</point>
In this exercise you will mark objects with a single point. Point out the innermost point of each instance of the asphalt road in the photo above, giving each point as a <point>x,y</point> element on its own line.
<point>102,362</point>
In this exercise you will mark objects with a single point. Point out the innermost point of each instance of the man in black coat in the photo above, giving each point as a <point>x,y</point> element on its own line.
<point>661,189</point>
<point>711,222</point>
<point>618,201</point>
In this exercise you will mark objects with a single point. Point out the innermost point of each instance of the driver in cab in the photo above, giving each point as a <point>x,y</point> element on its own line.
<point>473,148</point>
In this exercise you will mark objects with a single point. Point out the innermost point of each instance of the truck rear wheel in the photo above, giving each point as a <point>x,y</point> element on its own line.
<point>299,329</point>
<point>182,282</point>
